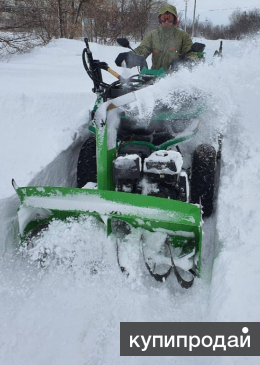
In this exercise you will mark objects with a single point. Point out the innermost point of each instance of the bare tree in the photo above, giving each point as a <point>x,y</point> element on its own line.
<point>70,16</point>
<point>19,28</point>
<point>28,23</point>
<point>243,23</point>
<point>105,20</point>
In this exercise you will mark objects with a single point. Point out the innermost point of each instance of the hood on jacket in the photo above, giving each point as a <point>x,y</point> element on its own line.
<point>170,8</point>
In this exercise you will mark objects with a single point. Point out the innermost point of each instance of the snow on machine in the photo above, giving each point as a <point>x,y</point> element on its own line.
<point>133,175</point>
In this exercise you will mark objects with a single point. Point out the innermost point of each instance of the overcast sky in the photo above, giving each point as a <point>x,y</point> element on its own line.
<point>218,11</point>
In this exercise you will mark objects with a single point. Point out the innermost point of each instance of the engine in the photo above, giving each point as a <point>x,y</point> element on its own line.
<point>160,173</point>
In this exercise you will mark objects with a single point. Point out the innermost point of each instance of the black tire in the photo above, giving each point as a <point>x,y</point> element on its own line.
<point>35,232</point>
<point>202,178</point>
<point>87,167</point>
<point>30,243</point>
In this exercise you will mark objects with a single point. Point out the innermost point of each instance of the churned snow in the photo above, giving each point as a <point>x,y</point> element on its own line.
<point>70,312</point>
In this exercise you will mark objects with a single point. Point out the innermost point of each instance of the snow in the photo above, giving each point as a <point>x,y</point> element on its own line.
<point>70,312</point>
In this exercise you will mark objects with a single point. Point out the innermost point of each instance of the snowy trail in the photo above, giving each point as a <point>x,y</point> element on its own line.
<point>65,314</point>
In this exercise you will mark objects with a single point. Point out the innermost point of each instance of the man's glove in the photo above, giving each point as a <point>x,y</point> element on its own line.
<point>121,58</point>
<point>131,59</point>
<point>102,65</point>
<point>197,47</point>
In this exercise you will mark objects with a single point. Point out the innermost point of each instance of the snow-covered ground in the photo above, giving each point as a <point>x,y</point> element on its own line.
<point>67,315</point>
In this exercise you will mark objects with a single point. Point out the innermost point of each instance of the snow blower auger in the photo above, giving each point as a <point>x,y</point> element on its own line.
<point>133,176</point>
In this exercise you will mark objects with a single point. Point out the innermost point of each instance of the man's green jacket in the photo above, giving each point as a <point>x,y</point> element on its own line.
<point>165,44</point>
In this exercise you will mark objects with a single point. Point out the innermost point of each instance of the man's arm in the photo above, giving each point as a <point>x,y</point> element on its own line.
<point>186,46</point>
<point>145,47</point>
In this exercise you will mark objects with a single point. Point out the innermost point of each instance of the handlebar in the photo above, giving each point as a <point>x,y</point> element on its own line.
<point>94,67</point>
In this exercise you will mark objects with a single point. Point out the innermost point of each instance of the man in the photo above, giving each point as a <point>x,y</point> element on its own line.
<point>167,44</point>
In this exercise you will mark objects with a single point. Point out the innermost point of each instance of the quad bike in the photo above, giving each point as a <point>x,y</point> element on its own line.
<point>132,175</point>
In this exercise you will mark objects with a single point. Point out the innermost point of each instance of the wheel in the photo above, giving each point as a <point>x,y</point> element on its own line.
<point>87,167</point>
<point>36,232</point>
<point>202,177</point>
<point>30,242</point>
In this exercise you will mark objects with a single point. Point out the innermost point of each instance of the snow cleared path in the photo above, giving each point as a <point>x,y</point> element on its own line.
<point>65,315</point>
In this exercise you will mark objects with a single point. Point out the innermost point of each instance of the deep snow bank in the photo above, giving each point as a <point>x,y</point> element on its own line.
<point>45,99</point>
<point>238,217</point>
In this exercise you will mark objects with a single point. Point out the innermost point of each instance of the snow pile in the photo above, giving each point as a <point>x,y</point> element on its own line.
<point>238,213</point>
<point>45,101</point>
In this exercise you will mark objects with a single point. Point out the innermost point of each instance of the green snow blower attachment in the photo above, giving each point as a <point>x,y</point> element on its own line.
<point>140,182</point>
<point>42,204</point>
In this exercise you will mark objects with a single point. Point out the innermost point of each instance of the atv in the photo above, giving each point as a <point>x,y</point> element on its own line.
<point>134,175</point>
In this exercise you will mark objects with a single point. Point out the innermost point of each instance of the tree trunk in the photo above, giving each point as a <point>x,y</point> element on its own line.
<point>60,19</point>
